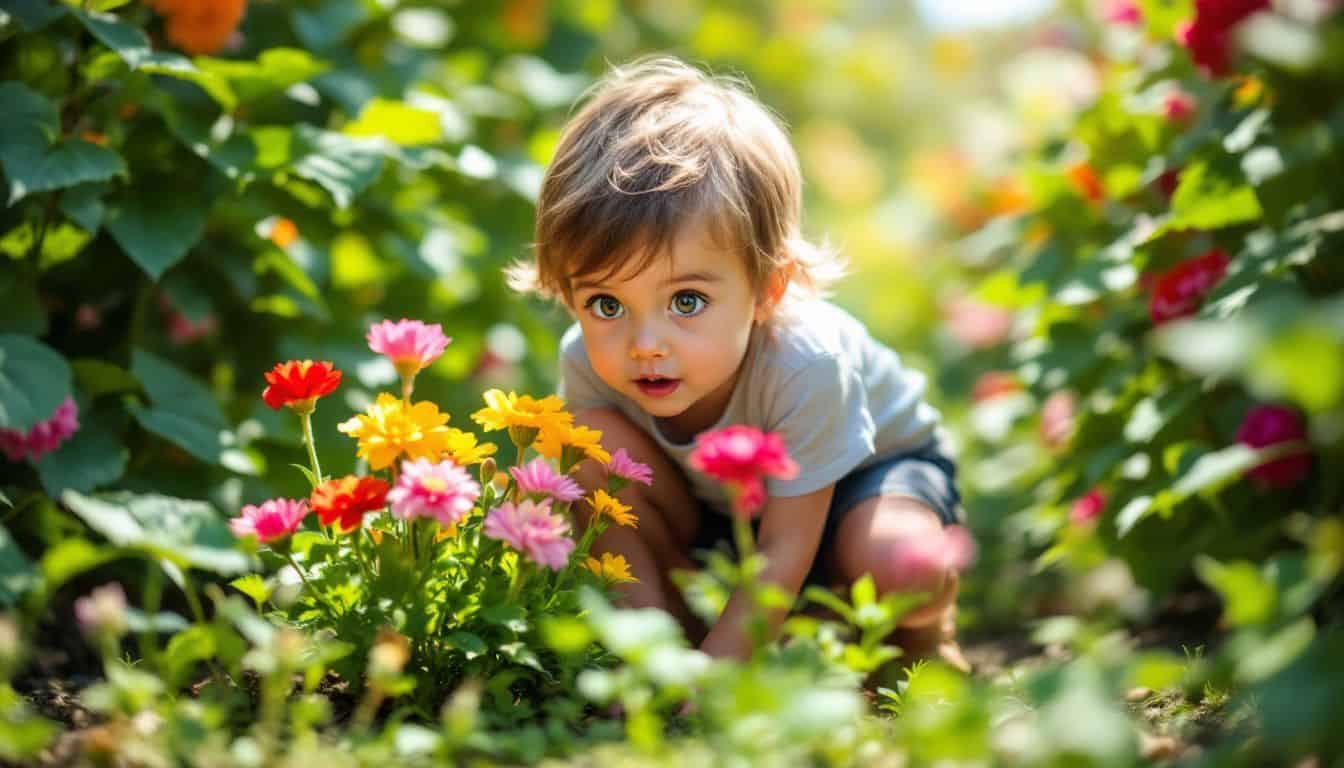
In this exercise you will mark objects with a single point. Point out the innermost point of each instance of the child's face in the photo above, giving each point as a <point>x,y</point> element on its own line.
<point>672,337</point>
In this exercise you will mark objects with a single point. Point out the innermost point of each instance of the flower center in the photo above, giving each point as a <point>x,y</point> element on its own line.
<point>435,484</point>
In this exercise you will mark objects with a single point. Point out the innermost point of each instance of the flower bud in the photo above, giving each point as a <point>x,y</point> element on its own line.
<point>102,612</point>
<point>487,470</point>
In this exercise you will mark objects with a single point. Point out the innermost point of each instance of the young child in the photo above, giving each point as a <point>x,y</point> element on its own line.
<point>669,226</point>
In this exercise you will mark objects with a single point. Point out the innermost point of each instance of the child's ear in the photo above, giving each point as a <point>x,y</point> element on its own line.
<point>776,284</point>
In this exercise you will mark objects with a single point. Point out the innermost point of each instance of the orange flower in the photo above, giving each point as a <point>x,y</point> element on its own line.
<point>1086,182</point>
<point>200,27</point>
<point>284,232</point>
<point>298,384</point>
<point>345,500</point>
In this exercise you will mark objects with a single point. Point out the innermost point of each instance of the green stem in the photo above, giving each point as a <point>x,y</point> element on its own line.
<point>318,596</point>
<point>306,419</point>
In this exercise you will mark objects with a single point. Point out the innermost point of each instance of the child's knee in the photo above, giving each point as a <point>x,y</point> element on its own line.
<point>903,545</point>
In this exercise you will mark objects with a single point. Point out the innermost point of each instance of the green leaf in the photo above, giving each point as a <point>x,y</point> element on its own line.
<point>185,649</point>
<point>185,531</point>
<point>1214,470</point>
<point>158,220</point>
<point>131,44</point>
<point>1248,597</point>
<point>34,14</point>
<point>468,642</point>
<point>69,558</point>
<point>182,410</point>
<point>17,574</point>
<point>328,25</point>
<point>34,381</point>
<point>274,70</point>
<point>84,205</point>
<point>343,165</point>
<point>24,312</point>
<point>92,457</point>
<point>97,377</point>
<point>254,586</point>
<point>397,122</point>
<point>161,622</point>
<point>71,162</point>
<point>864,591</point>
<point>1210,197</point>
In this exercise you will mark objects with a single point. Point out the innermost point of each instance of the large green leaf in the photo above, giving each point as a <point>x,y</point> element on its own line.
<point>34,380</point>
<point>35,14</point>
<point>93,457</point>
<point>158,220</point>
<point>1212,196</point>
<point>181,409</point>
<point>328,24</point>
<point>17,574</point>
<point>131,44</point>
<point>188,533</point>
<point>31,162</point>
<point>343,165</point>
<point>274,70</point>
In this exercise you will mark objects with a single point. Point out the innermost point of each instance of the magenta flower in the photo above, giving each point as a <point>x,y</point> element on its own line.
<point>530,528</point>
<point>741,457</point>
<point>539,478</point>
<point>1088,508</point>
<point>274,519</point>
<point>43,437</point>
<point>1123,13</point>
<point>443,491</point>
<point>410,344</point>
<point>1266,425</point>
<point>1179,106</point>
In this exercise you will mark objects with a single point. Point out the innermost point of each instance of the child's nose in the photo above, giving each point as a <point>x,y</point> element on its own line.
<point>648,342</point>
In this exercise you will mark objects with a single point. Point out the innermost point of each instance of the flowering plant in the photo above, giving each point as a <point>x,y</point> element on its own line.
<point>433,542</point>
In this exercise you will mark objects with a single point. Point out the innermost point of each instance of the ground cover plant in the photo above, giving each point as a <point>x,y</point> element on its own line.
<point>250,513</point>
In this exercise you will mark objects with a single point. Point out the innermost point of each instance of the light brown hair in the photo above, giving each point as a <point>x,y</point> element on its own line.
<point>660,145</point>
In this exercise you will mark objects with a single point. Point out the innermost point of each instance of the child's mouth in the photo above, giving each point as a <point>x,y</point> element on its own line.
<point>657,386</point>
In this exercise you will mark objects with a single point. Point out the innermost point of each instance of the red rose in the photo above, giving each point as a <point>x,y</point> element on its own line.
<point>1180,291</point>
<point>1270,425</point>
<point>1209,36</point>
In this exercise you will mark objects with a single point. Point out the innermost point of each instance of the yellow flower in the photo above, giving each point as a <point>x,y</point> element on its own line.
<point>604,503</point>
<point>505,411</point>
<point>567,443</point>
<point>390,428</point>
<point>612,569</point>
<point>463,448</point>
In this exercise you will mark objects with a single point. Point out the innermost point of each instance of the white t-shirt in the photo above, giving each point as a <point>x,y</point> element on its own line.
<point>840,399</point>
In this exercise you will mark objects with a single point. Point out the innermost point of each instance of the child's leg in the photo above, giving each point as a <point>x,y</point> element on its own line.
<point>668,516</point>
<point>889,537</point>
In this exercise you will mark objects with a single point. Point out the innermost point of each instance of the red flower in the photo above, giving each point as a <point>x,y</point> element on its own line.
<point>345,500</point>
<point>1270,425</point>
<point>1180,291</point>
<point>1088,508</point>
<point>1087,183</point>
<point>298,384</point>
<point>992,384</point>
<point>1179,106</point>
<point>1209,36</point>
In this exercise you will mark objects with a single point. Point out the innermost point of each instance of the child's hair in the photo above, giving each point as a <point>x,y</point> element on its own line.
<point>660,145</point>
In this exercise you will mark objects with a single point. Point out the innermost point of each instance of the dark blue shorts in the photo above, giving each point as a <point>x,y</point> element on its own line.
<point>926,474</point>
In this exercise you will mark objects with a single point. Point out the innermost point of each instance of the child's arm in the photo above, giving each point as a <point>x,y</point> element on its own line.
<point>789,537</point>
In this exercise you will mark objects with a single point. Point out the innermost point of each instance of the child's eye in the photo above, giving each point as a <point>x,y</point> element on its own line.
<point>605,307</point>
<point>688,303</point>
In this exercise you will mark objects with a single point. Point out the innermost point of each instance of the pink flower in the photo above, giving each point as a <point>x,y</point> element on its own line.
<point>1123,12</point>
<point>992,384</point>
<point>538,477</point>
<point>1057,419</point>
<point>976,324</point>
<point>274,519</point>
<point>410,344</point>
<point>443,491</point>
<point>628,470</point>
<point>43,437</point>
<point>102,611</point>
<point>1266,425</point>
<point>1088,508</point>
<point>1179,106</point>
<point>741,456</point>
<point>181,328</point>
<point>1180,291</point>
<point>530,528</point>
